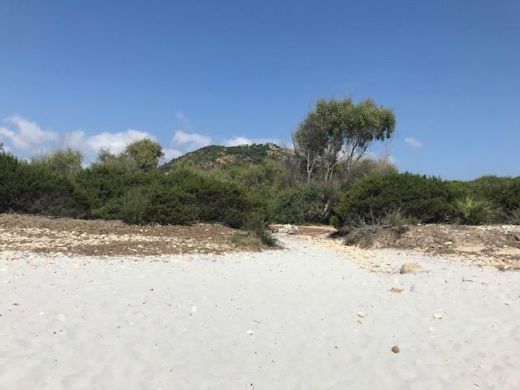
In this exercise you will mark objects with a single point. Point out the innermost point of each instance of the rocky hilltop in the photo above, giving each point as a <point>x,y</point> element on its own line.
<point>216,155</point>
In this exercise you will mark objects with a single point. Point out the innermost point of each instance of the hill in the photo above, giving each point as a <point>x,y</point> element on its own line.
<point>214,155</point>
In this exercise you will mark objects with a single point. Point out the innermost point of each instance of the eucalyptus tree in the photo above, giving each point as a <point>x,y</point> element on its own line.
<point>339,133</point>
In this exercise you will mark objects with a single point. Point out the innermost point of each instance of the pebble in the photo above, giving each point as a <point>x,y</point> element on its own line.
<point>438,316</point>
<point>395,349</point>
<point>398,290</point>
<point>410,268</point>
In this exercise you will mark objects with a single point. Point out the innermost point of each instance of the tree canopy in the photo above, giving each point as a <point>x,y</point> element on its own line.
<point>339,132</point>
<point>145,154</point>
<point>142,155</point>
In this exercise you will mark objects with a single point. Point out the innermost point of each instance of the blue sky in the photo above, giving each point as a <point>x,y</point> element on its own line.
<point>97,74</point>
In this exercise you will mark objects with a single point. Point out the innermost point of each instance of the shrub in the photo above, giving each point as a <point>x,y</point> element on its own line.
<point>180,197</point>
<point>425,199</point>
<point>334,221</point>
<point>502,193</point>
<point>170,206</point>
<point>306,203</point>
<point>396,218</point>
<point>474,212</point>
<point>65,162</point>
<point>35,189</point>
<point>107,184</point>
<point>133,207</point>
<point>514,217</point>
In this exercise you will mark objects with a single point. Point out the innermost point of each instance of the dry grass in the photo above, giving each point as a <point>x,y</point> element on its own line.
<point>497,245</point>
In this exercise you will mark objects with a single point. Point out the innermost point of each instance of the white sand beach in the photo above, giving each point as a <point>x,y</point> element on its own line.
<point>305,317</point>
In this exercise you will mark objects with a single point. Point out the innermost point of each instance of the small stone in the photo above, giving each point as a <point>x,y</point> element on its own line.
<point>397,290</point>
<point>250,332</point>
<point>360,314</point>
<point>410,268</point>
<point>395,349</point>
<point>438,316</point>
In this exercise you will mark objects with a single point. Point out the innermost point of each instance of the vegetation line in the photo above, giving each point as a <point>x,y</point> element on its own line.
<point>327,179</point>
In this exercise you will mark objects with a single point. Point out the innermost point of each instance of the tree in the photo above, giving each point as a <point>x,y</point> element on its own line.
<point>339,132</point>
<point>141,155</point>
<point>309,142</point>
<point>144,153</point>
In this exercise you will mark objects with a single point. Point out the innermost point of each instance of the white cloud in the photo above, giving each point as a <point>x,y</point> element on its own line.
<point>27,139</point>
<point>170,154</point>
<point>413,142</point>
<point>190,141</point>
<point>5,148</point>
<point>237,141</point>
<point>27,135</point>
<point>116,142</point>
<point>90,146</point>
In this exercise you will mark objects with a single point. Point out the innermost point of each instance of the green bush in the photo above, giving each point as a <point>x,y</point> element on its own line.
<point>514,217</point>
<point>180,197</point>
<point>247,195</point>
<point>105,183</point>
<point>9,174</point>
<point>171,206</point>
<point>306,203</point>
<point>133,207</point>
<point>503,193</point>
<point>35,189</point>
<point>65,162</point>
<point>425,199</point>
<point>474,212</point>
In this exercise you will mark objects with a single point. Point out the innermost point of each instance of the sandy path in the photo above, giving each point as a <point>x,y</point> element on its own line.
<point>302,318</point>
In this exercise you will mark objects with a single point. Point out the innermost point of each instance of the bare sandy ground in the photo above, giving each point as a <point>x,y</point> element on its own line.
<point>306,317</point>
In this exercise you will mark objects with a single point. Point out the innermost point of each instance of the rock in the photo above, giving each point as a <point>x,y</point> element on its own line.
<point>438,316</point>
<point>395,349</point>
<point>397,290</point>
<point>288,229</point>
<point>250,332</point>
<point>508,267</point>
<point>410,268</point>
<point>360,314</point>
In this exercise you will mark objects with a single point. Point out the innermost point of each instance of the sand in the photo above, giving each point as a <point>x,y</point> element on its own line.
<point>306,317</point>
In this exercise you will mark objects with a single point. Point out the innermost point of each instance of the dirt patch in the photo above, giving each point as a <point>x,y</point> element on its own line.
<point>85,237</point>
<point>496,245</point>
